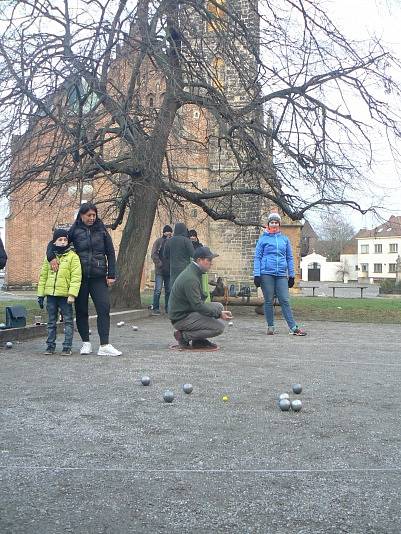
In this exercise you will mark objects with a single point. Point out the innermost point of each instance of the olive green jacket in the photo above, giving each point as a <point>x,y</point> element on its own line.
<point>187,296</point>
<point>66,281</point>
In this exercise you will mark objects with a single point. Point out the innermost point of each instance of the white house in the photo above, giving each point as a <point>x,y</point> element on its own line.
<point>378,250</point>
<point>315,267</point>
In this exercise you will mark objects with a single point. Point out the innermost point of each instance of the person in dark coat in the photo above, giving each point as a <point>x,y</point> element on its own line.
<point>95,249</point>
<point>193,236</point>
<point>3,255</point>
<point>178,251</point>
<point>162,270</point>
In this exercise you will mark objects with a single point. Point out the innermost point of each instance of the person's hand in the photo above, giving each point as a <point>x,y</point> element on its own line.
<point>41,302</point>
<point>110,281</point>
<point>54,265</point>
<point>71,299</point>
<point>226,315</point>
<point>257,281</point>
<point>291,281</point>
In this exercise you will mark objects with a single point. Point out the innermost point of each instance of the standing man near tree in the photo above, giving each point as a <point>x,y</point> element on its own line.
<point>3,255</point>
<point>178,251</point>
<point>162,270</point>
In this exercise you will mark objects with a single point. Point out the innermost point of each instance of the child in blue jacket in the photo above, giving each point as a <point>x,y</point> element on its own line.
<point>274,273</point>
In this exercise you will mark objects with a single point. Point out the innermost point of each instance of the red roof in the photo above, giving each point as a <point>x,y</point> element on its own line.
<point>391,228</point>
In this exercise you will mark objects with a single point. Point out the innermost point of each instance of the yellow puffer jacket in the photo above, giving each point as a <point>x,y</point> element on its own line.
<point>66,281</point>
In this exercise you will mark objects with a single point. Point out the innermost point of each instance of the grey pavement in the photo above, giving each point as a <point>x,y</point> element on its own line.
<point>84,448</point>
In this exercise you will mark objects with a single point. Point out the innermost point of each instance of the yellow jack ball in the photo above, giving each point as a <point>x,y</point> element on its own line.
<point>225,398</point>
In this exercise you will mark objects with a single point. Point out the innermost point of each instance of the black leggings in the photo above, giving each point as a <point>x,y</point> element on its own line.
<point>98,290</point>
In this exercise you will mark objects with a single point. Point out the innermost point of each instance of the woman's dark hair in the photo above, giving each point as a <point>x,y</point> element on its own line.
<point>85,207</point>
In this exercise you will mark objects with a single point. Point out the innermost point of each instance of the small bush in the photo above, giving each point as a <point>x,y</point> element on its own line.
<point>390,286</point>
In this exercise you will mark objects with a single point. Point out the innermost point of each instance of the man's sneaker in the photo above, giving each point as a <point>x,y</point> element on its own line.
<point>183,343</point>
<point>49,351</point>
<point>155,313</point>
<point>203,344</point>
<point>270,331</point>
<point>297,332</point>
<point>86,348</point>
<point>108,350</point>
<point>66,352</point>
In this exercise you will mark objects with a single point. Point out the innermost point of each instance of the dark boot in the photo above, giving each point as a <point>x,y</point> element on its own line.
<point>182,342</point>
<point>203,344</point>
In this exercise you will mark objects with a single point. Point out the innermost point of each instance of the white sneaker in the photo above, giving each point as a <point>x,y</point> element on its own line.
<point>86,348</point>
<point>108,350</point>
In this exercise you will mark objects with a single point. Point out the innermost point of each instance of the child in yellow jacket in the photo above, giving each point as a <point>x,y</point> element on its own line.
<point>60,288</point>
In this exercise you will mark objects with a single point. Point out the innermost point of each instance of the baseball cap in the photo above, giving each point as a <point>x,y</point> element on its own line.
<point>204,252</point>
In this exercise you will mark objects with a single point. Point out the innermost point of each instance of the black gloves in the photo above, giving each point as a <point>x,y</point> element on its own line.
<point>257,281</point>
<point>41,302</point>
<point>291,281</point>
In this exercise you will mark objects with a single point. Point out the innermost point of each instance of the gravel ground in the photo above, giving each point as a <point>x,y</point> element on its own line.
<point>85,448</point>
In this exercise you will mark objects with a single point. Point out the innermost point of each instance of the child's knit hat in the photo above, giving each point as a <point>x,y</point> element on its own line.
<point>59,232</point>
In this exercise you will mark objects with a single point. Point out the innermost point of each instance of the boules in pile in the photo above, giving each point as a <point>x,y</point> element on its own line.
<point>187,388</point>
<point>296,405</point>
<point>297,388</point>
<point>284,405</point>
<point>283,396</point>
<point>168,396</point>
<point>145,380</point>
<point>120,324</point>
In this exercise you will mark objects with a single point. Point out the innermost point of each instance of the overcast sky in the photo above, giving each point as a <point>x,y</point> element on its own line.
<point>361,19</point>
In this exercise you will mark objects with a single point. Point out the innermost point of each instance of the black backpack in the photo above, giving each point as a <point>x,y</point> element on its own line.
<point>15,316</point>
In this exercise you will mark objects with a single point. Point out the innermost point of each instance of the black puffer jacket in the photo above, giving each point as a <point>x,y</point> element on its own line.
<point>178,251</point>
<point>94,247</point>
<point>3,255</point>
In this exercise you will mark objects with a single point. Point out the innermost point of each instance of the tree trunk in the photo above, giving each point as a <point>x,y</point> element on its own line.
<point>126,292</point>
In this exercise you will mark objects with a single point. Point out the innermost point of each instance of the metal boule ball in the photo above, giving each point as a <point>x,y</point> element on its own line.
<point>145,380</point>
<point>297,388</point>
<point>9,345</point>
<point>283,396</point>
<point>296,405</point>
<point>284,405</point>
<point>135,328</point>
<point>168,396</point>
<point>231,323</point>
<point>187,388</point>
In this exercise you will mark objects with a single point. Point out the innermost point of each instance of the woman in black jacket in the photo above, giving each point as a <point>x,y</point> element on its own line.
<point>95,249</point>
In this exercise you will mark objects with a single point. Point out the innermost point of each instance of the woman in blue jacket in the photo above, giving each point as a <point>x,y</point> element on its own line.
<point>274,273</point>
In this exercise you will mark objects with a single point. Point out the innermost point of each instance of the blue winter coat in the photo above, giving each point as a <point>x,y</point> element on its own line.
<point>273,255</point>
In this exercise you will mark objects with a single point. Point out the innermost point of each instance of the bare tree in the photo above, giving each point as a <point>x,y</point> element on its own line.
<point>76,87</point>
<point>343,270</point>
<point>335,231</point>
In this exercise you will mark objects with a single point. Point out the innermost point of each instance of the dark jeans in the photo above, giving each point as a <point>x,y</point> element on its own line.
<point>277,285</point>
<point>98,290</point>
<point>54,304</point>
<point>161,279</point>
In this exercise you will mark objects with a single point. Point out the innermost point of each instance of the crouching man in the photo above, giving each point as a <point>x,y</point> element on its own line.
<point>195,320</point>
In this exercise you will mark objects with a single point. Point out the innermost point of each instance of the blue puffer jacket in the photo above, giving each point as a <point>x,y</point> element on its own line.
<point>273,255</point>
